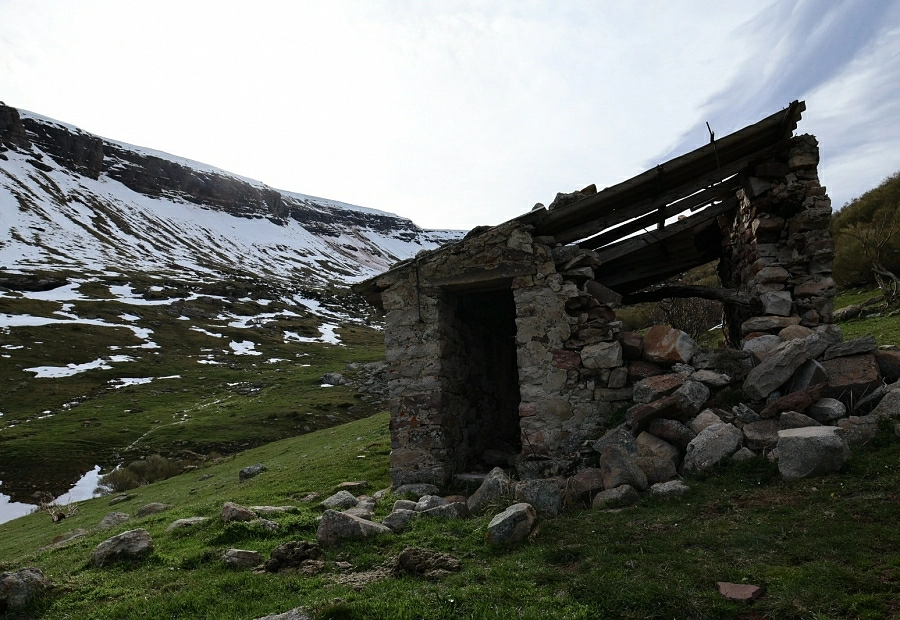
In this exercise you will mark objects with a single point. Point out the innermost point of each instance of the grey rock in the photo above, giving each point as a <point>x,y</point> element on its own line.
<point>656,468</point>
<point>264,524</point>
<point>704,418</point>
<point>544,494</point>
<point>619,436</point>
<point>792,419</point>
<point>113,519</point>
<point>239,558</point>
<point>184,523</point>
<point>713,445</point>
<point>619,497</point>
<point>399,519</point>
<point>762,346</point>
<point>404,504</point>
<point>711,378</point>
<point>762,435</point>
<point>251,471</point>
<point>768,323</point>
<point>735,364</point>
<point>20,588</point>
<point>672,431</point>
<point>859,430</point>
<point>512,525</point>
<point>450,510</point>
<point>866,344</point>
<point>236,512</point>
<point>889,407</point>
<point>341,499</point>
<point>618,468</point>
<point>584,482</point>
<point>354,486</point>
<point>361,511</point>
<point>272,510</point>
<point>152,509</point>
<point>495,488</point>
<point>118,499</point>
<point>654,447</point>
<point>336,526</point>
<point>777,303</point>
<point>778,367</point>
<point>692,396</point>
<point>333,378</point>
<point>655,387</point>
<point>416,490</point>
<point>127,546</point>
<point>744,454</point>
<point>745,414</point>
<point>795,332</point>
<point>427,502</point>
<point>810,373</point>
<point>602,355</point>
<point>673,488</point>
<point>826,410</point>
<point>811,451</point>
<point>292,614</point>
<point>850,312</point>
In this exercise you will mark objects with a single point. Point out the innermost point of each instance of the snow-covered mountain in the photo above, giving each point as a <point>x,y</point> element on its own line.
<point>73,202</point>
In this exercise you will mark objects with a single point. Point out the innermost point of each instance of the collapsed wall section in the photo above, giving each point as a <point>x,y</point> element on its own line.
<point>778,247</point>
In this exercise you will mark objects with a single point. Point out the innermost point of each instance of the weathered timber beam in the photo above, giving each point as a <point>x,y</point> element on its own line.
<point>479,278</point>
<point>717,293</point>
<point>628,246</point>
<point>717,192</point>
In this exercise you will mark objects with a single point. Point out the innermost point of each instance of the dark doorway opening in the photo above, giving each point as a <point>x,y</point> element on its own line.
<point>487,326</point>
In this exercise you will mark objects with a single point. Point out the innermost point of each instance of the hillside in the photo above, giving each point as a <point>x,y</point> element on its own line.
<point>150,303</point>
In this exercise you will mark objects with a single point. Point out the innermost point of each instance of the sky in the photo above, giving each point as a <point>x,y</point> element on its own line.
<point>459,113</point>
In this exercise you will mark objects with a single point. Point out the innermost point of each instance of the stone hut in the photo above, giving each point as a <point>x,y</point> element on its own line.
<point>506,341</point>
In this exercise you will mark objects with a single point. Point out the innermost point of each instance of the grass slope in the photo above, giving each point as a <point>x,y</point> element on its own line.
<point>821,548</point>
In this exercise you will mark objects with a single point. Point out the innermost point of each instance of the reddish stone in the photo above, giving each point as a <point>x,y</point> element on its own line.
<point>797,401</point>
<point>889,364</point>
<point>567,360</point>
<point>667,345</point>
<point>640,416</point>
<point>852,377</point>
<point>741,592</point>
<point>632,346</point>
<point>585,481</point>
<point>655,387</point>
<point>641,370</point>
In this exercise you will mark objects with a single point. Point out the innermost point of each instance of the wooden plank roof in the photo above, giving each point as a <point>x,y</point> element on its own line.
<point>702,181</point>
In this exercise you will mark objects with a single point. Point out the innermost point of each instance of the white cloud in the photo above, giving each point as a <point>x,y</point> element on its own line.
<point>454,113</point>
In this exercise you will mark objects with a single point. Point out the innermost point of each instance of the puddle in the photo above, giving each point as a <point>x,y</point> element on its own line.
<point>83,489</point>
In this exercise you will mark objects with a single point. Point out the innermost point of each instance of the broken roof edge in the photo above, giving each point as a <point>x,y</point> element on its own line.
<point>744,142</point>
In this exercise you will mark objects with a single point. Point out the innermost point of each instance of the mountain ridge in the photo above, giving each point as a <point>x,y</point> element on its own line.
<point>71,200</point>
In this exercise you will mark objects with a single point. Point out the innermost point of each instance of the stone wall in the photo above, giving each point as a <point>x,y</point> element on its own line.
<point>778,248</point>
<point>503,350</point>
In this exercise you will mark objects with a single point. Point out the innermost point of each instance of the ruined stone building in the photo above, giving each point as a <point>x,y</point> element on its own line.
<point>507,340</point>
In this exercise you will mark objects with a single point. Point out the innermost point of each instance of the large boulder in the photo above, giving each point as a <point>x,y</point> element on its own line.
<point>826,410</point>
<point>20,588</point>
<point>619,436</point>
<point>859,430</point>
<point>778,367</point>
<point>185,523</point>
<point>866,344</point>
<point>336,526</point>
<point>651,446</point>
<point>602,355</point>
<point>691,397</point>
<point>761,346</point>
<point>399,519</point>
<point>618,468</point>
<point>714,444</point>
<point>496,488</point>
<point>512,525</point>
<point>152,509</point>
<point>242,558</point>
<point>113,519</point>
<point>762,435</point>
<point>889,364</point>
<point>251,471</point>
<point>585,482</point>
<point>656,468</point>
<point>811,451</point>
<point>705,418</point>
<point>667,345</point>
<point>127,546</point>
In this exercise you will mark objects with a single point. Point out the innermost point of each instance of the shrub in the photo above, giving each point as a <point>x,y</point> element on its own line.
<point>139,473</point>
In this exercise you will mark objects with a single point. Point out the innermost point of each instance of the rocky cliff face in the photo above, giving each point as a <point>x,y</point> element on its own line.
<point>72,200</point>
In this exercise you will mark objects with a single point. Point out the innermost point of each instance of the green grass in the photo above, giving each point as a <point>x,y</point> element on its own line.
<point>241,402</point>
<point>822,548</point>
<point>886,329</point>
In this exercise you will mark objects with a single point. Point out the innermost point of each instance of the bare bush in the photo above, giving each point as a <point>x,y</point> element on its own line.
<point>691,315</point>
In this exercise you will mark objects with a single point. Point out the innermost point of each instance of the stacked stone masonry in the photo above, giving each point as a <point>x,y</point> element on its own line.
<point>503,350</point>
